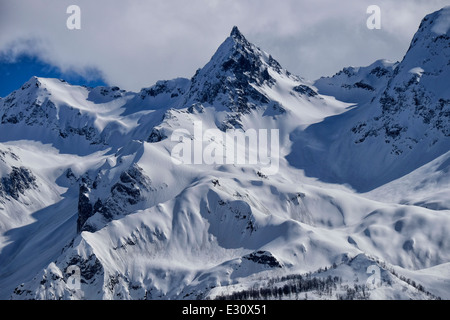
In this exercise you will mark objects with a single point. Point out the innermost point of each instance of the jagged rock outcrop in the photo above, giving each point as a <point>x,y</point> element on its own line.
<point>128,191</point>
<point>16,183</point>
<point>85,208</point>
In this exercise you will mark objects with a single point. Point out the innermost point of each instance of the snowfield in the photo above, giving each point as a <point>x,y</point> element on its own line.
<point>358,208</point>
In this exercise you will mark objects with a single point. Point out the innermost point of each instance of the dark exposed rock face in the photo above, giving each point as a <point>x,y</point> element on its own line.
<point>232,74</point>
<point>233,79</point>
<point>91,272</point>
<point>264,257</point>
<point>409,98</point>
<point>89,133</point>
<point>305,90</point>
<point>17,182</point>
<point>131,183</point>
<point>365,86</point>
<point>127,191</point>
<point>85,208</point>
<point>156,136</point>
<point>409,101</point>
<point>162,87</point>
<point>89,268</point>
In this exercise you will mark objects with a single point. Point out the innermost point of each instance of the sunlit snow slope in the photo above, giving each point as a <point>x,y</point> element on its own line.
<point>361,181</point>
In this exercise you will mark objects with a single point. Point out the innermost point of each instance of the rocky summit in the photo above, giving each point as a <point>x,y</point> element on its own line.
<point>93,205</point>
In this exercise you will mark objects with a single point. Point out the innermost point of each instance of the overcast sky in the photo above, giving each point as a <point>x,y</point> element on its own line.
<point>135,43</point>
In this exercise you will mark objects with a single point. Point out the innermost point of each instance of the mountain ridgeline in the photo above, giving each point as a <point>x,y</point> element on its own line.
<point>88,182</point>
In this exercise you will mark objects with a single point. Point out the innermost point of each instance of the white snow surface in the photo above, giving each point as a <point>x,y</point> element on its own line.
<point>343,198</point>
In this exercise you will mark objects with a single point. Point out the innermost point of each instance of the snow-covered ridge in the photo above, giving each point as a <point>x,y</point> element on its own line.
<point>358,84</point>
<point>394,129</point>
<point>138,226</point>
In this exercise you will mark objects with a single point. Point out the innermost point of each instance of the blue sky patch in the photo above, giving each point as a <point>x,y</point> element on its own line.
<point>13,74</point>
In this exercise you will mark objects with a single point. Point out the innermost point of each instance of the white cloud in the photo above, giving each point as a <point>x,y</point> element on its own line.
<point>135,43</point>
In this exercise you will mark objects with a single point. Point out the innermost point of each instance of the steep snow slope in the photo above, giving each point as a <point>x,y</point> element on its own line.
<point>427,186</point>
<point>140,226</point>
<point>220,230</point>
<point>402,129</point>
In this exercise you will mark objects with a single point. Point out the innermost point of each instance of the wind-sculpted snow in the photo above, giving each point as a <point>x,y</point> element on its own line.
<point>119,218</point>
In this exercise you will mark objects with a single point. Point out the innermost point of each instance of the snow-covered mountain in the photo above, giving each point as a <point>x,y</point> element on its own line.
<point>360,183</point>
<point>401,128</point>
<point>358,84</point>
